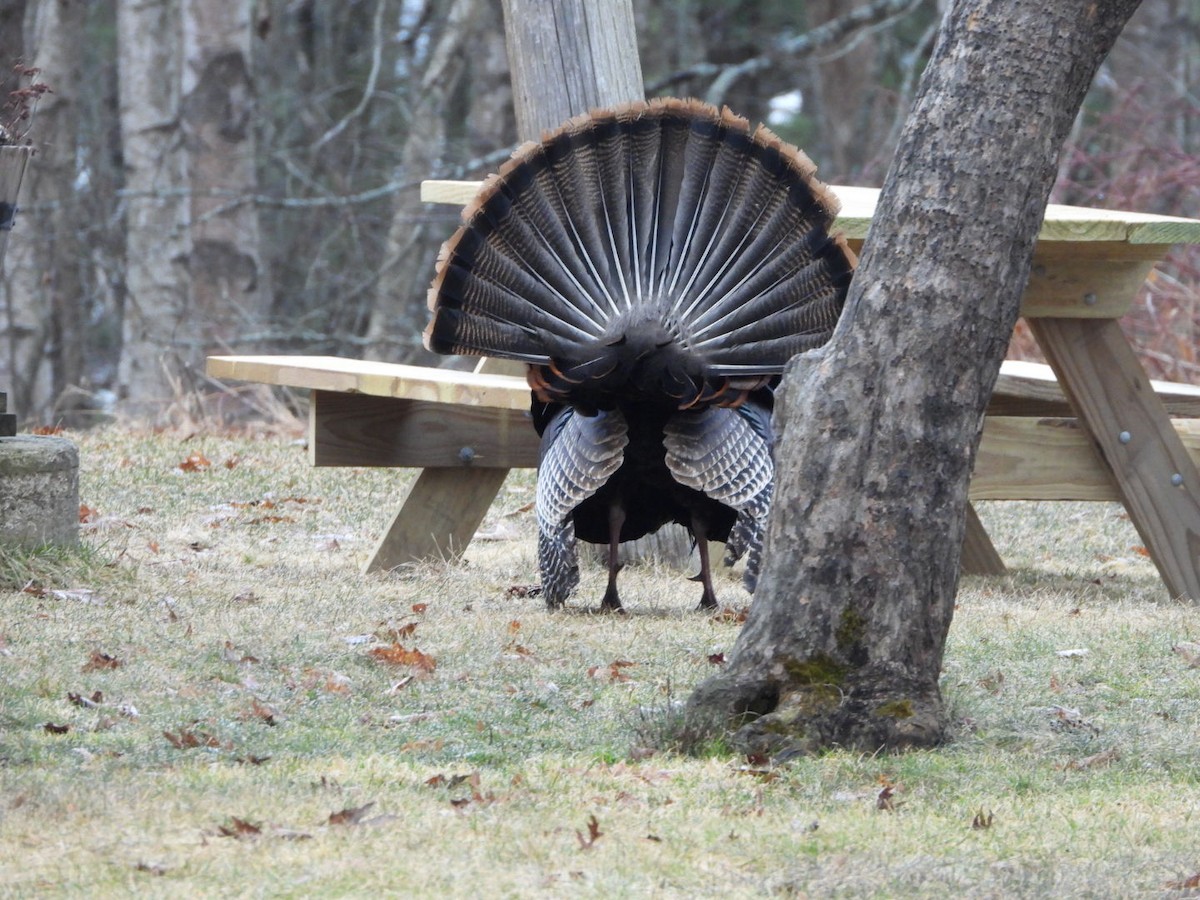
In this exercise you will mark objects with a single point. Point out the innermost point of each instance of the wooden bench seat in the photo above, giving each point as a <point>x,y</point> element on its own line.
<point>380,414</point>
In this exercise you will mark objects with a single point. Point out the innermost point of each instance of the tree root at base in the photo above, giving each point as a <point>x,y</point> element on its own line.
<point>764,718</point>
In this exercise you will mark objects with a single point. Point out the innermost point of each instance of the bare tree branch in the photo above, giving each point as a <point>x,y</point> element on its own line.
<point>815,39</point>
<point>724,76</point>
<point>372,78</point>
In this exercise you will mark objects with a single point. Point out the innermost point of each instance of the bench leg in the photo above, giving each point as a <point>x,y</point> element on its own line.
<point>979,554</point>
<point>1113,398</point>
<point>438,517</point>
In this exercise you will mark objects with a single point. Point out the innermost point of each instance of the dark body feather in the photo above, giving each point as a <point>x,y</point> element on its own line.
<point>656,265</point>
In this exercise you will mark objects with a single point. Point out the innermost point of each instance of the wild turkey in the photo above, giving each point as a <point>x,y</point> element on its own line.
<point>656,265</point>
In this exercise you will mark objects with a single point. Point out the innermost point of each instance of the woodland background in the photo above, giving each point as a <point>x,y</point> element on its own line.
<point>216,176</point>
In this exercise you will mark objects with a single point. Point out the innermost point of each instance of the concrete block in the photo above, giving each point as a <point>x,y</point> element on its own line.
<point>39,491</point>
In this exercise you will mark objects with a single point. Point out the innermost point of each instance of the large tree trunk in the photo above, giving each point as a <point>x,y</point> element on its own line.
<point>230,293</point>
<point>156,246</point>
<point>844,641</point>
<point>193,275</point>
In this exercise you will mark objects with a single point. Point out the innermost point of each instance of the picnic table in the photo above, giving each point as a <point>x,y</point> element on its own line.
<point>1090,426</point>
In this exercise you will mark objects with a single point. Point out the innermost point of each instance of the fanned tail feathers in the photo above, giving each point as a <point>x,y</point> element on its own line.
<point>632,229</point>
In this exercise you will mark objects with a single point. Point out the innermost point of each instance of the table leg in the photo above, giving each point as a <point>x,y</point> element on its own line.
<point>438,517</point>
<point>979,554</point>
<point>1112,396</point>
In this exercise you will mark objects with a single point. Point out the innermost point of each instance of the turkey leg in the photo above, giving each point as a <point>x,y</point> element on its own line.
<point>616,518</point>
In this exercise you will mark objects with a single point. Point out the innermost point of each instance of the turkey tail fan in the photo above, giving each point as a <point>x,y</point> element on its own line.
<point>637,227</point>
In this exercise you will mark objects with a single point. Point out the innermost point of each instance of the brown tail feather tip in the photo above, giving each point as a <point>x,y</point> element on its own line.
<point>427,336</point>
<point>688,107</point>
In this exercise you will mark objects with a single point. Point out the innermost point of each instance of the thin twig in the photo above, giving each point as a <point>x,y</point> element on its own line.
<point>372,78</point>
<point>796,47</point>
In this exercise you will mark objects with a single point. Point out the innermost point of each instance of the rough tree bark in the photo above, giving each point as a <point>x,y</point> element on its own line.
<point>399,308</point>
<point>843,644</point>
<point>230,294</point>
<point>193,275</point>
<point>156,272</point>
<point>44,270</point>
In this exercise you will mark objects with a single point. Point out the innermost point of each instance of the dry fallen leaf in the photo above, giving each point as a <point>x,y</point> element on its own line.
<point>423,746</point>
<point>262,712</point>
<point>1184,884</point>
<point>98,661</point>
<point>1189,652</point>
<point>251,759</point>
<point>398,655</point>
<point>79,595</point>
<point>886,800</point>
<point>196,462</point>
<point>612,672</point>
<point>240,829</point>
<point>1063,718</point>
<point>731,615</point>
<point>188,739</point>
<point>1095,761</point>
<point>351,815</point>
<point>388,632</point>
<point>594,834</point>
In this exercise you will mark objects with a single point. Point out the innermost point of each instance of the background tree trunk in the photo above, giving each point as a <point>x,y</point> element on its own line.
<point>12,47</point>
<point>399,311</point>
<point>844,641</point>
<point>229,292</point>
<point>193,272</point>
<point>44,272</point>
<point>156,246</point>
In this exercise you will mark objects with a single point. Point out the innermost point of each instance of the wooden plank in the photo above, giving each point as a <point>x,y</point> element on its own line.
<point>330,373</point>
<point>1060,286</point>
<point>1067,224</point>
<point>1023,388</point>
<point>438,517</point>
<point>361,430</point>
<point>1158,480</point>
<point>1021,458</point>
<point>1030,389</point>
<point>979,554</point>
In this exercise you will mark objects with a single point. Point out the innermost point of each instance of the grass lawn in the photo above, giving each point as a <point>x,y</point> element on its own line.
<point>211,699</point>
